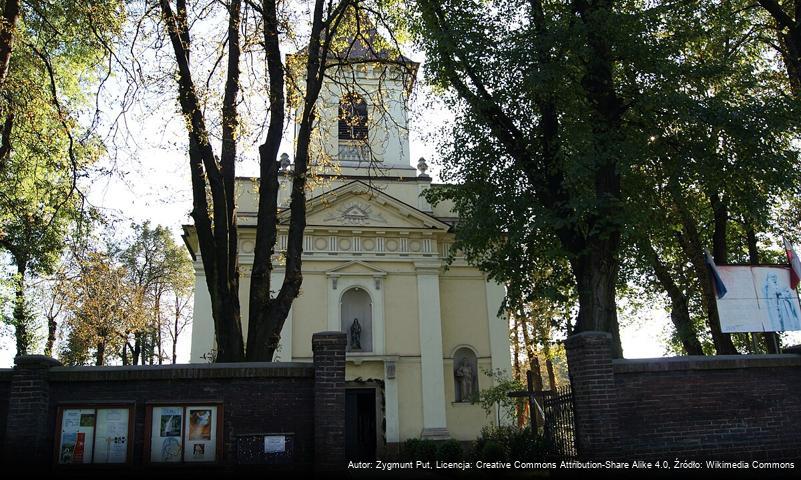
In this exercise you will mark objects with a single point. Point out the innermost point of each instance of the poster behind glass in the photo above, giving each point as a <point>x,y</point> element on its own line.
<point>111,438</point>
<point>77,436</point>
<point>201,433</point>
<point>166,437</point>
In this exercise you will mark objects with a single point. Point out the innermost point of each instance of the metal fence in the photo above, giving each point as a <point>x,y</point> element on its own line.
<point>559,427</point>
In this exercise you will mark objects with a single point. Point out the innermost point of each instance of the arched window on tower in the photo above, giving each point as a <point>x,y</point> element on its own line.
<point>465,374</point>
<point>352,128</point>
<point>356,317</point>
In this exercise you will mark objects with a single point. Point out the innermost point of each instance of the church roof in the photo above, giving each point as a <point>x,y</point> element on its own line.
<point>360,42</point>
<point>368,45</point>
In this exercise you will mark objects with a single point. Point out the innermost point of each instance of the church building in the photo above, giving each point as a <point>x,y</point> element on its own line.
<point>421,335</point>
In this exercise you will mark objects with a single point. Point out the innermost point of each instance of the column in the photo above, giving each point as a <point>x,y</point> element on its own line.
<point>202,323</point>
<point>28,423</point>
<point>329,400</point>
<point>433,378</point>
<point>499,336</point>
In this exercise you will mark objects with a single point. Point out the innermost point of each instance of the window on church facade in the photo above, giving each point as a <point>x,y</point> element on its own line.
<point>352,128</point>
<point>356,319</point>
<point>352,118</point>
<point>465,375</point>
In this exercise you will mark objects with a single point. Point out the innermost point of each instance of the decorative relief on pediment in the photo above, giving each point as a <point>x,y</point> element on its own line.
<point>355,213</point>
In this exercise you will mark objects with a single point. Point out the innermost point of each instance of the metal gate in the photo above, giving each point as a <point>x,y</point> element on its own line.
<point>559,427</point>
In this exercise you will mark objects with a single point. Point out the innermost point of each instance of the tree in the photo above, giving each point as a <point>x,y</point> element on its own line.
<point>161,270</point>
<point>50,55</point>
<point>101,308</point>
<point>722,151</point>
<point>213,177</point>
<point>587,128</point>
<point>542,120</point>
<point>181,317</point>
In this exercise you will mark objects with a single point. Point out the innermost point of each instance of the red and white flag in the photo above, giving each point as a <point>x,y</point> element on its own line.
<point>795,264</point>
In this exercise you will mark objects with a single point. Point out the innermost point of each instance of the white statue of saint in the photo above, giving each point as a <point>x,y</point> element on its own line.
<point>465,376</point>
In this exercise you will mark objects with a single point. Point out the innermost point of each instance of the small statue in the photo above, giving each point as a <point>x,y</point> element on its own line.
<point>355,335</point>
<point>464,374</point>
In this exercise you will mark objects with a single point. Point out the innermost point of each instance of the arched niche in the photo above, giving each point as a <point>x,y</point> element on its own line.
<point>356,306</point>
<point>465,374</point>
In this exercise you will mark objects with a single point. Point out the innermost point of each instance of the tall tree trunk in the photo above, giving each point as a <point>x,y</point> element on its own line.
<point>100,356</point>
<point>9,24</point>
<point>596,265</point>
<point>720,212</point>
<point>137,350</point>
<point>551,374</point>
<point>267,315</point>
<point>217,238</point>
<point>175,332</point>
<point>516,345</point>
<point>52,328</point>
<point>679,303</point>
<point>692,246</point>
<point>157,326</point>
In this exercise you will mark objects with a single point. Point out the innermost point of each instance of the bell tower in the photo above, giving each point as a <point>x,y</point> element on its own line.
<point>362,127</point>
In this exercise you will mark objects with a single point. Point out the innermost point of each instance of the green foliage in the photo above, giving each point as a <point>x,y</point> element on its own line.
<point>450,451</point>
<point>123,295</point>
<point>59,49</point>
<point>508,443</point>
<point>417,449</point>
<point>704,119</point>
<point>498,394</point>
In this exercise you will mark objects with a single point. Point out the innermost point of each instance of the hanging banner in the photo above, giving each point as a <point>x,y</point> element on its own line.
<point>758,299</point>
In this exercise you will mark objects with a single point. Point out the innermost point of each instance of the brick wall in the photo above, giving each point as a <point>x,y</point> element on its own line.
<point>5,388</point>
<point>257,398</point>
<point>719,407</point>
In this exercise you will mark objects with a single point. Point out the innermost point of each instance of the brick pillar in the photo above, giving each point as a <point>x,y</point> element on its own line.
<point>329,400</point>
<point>589,360</point>
<point>28,426</point>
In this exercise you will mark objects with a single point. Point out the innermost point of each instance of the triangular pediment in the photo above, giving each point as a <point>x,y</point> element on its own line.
<point>358,205</point>
<point>356,267</point>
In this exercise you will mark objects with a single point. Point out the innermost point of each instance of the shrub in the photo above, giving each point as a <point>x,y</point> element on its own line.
<point>492,451</point>
<point>427,451</point>
<point>410,449</point>
<point>509,443</point>
<point>450,451</point>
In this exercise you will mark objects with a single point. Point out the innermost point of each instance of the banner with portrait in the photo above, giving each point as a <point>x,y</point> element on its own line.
<point>758,299</point>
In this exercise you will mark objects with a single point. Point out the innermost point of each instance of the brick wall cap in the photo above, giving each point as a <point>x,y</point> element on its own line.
<point>588,336</point>
<point>183,371</point>
<point>701,362</point>
<point>330,338</point>
<point>35,361</point>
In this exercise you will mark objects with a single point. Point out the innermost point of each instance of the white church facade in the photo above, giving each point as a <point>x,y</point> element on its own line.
<point>421,335</point>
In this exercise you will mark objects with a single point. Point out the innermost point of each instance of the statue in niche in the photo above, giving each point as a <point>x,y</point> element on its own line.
<point>355,335</point>
<point>464,376</point>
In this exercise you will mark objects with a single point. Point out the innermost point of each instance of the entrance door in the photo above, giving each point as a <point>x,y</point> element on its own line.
<point>360,424</point>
